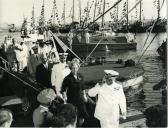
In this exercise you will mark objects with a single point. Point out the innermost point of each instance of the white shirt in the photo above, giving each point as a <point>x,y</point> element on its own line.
<point>59,72</point>
<point>110,99</point>
<point>24,51</point>
<point>18,51</point>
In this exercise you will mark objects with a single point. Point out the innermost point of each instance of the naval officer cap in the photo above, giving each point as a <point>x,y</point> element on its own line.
<point>111,72</point>
<point>46,96</point>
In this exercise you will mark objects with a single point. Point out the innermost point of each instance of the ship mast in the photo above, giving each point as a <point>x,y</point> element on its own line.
<point>42,18</point>
<point>33,18</point>
<point>64,13</point>
<point>103,13</point>
<point>95,10</point>
<point>158,8</point>
<point>54,12</point>
<point>140,11</point>
<point>80,12</point>
<point>73,11</point>
<point>127,14</point>
<point>117,13</point>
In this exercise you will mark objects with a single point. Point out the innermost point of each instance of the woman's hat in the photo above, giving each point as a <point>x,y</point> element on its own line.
<point>46,96</point>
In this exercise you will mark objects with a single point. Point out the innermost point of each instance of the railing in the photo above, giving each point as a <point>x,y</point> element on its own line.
<point>7,65</point>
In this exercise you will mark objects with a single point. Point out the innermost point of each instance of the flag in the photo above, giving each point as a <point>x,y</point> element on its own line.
<point>63,46</point>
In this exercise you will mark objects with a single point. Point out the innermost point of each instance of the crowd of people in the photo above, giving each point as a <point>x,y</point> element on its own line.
<point>61,81</point>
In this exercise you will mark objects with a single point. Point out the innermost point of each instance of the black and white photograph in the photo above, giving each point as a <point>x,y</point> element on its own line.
<point>83,63</point>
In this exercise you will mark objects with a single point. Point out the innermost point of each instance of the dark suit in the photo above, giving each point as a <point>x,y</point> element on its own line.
<point>43,76</point>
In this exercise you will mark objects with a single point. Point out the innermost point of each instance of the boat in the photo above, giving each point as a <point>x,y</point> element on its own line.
<point>84,41</point>
<point>22,86</point>
<point>98,43</point>
<point>104,42</point>
<point>93,71</point>
<point>24,90</point>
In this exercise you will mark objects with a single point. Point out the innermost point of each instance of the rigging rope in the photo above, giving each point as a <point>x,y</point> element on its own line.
<point>148,47</point>
<point>149,35</point>
<point>130,10</point>
<point>24,82</point>
<point>151,28</point>
<point>104,13</point>
<point>93,49</point>
<point>58,40</point>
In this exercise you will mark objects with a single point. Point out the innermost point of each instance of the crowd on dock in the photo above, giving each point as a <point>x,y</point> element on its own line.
<point>63,100</point>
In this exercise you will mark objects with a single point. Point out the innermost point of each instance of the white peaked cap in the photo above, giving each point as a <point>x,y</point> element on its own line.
<point>112,72</point>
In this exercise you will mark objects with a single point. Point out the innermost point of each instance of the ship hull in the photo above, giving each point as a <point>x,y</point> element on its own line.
<point>86,48</point>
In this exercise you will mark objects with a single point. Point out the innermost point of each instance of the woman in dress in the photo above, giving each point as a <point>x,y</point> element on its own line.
<point>73,90</point>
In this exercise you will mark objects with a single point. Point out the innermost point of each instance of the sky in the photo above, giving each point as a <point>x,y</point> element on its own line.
<point>13,11</point>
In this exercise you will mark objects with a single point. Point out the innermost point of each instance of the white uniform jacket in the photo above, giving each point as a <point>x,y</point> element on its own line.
<point>110,99</point>
<point>59,72</point>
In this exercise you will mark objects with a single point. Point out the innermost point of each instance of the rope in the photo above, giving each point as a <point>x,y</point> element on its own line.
<point>93,49</point>
<point>151,28</point>
<point>149,34</point>
<point>24,82</point>
<point>67,47</point>
<point>104,13</point>
<point>130,10</point>
<point>147,47</point>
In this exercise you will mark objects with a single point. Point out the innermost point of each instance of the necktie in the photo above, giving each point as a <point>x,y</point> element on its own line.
<point>36,57</point>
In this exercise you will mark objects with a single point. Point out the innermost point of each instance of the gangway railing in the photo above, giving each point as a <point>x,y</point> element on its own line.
<point>7,65</point>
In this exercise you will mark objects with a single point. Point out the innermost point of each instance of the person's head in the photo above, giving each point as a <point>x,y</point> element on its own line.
<point>65,115</point>
<point>44,58</point>
<point>110,76</point>
<point>63,57</point>
<point>68,115</point>
<point>74,65</point>
<point>48,43</point>
<point>35,49</point>
<point>41,43</point>
<point>21,43</point>
<point>6,118</point>
<point>46,96</point>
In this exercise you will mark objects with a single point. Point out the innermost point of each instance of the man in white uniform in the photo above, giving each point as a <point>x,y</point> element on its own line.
<point>111,100</point>
<point>18,52</point>
<point>24,54</point>
<point>59,72</point>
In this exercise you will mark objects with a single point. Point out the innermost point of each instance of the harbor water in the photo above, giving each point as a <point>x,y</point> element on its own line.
<point>153,67</point>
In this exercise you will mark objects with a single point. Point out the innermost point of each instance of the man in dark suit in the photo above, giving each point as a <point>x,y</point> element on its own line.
<point>43,73</point>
